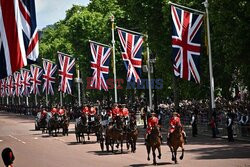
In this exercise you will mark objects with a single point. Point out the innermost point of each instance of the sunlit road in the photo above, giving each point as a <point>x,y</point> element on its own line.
<point>34,149</point>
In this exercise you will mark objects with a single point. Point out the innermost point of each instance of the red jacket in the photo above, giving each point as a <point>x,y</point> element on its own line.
<point>152,121</point>
<point>173,122</point>
<point>125,112</point>
<point>85,110</point>
<point>92,111</point>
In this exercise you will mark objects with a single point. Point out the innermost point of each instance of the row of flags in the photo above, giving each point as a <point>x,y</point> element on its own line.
<point>186,46</point>
<point>131,54</point>
<point>28,82</point>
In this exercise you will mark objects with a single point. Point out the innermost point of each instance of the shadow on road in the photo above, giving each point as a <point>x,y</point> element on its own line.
<point>103,153</point>
<point>224,152</point>
<point>76,143</point>
<point>158,164</point>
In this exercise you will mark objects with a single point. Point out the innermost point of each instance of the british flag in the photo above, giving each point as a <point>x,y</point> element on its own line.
<point>5,87</point>
<point>25,74</point>
<point>18,35</point>
<point>66,72</point>
<point>131,54</point>
<point>49,70</point>
<point>36,73</point>
<point>1,87</point>
<point>186,43</point>
<point>10,86</point>
<point>100,65</point>
<point>18,85</point>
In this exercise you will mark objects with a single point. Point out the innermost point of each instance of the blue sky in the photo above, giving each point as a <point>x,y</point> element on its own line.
<point>51,11</point>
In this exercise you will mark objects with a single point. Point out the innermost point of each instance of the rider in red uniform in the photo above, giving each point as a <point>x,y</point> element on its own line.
<point>53,111</point>
<point>174,121</point>
<point>152,121</point>
<point>92,111</point>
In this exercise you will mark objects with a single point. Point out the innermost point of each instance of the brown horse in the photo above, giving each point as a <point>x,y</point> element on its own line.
<point>154,142</point>
<point>176,140</point>
<point>115,133</point>
<point>132,135</point>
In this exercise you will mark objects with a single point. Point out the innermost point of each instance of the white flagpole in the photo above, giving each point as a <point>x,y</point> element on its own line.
<point>210,58</point>
<point>27,100</point>
<point>149,77</point>
<point>7,100</point>
<point>35,99</point>
<point>61,98</point>
<point>113,49</point>
<point>79,87</point>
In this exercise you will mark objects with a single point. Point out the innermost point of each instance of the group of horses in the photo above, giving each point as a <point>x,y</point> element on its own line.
<point>115,132</point>
<point>118,131</point>
<point>52,123</point>
<point>175,141</point>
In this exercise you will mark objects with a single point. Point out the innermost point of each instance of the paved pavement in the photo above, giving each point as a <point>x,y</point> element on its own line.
<point>34,149</point>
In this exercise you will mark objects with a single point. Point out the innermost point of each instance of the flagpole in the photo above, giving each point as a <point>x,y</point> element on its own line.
<point>7,100</point>
<point>47,101</point>
<point>27,101</point>
<point>79,87</point>
<point>35,99</point>
<point>113,49</point>
<point>149,77</point>
<point>210,58</point>
<point>61,100</point>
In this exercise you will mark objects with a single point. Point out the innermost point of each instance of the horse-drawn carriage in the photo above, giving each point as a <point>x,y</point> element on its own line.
<point>52,121</point>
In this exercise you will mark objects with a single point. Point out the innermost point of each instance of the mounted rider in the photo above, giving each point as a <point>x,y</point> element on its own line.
<point>173,122</point>
<point>152,121</point>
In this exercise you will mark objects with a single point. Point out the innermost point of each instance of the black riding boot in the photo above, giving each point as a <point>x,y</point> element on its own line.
<point>185,138</point>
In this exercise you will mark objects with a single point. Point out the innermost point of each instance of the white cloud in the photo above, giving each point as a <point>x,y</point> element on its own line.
<point>51,11</point>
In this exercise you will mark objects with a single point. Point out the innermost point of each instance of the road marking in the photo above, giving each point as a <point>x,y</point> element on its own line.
<point>35,138</point>
<point>1,140</point>
<point>17,139</point>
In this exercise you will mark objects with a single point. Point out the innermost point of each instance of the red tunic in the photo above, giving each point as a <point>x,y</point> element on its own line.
<point>173,122</point>
<point>92,111</point>
<point>53,111</point>
<point>115,112</point>
<point>85,110</point>
<point>153,121</point>
<point>61,112</point>
<point>125,112</point>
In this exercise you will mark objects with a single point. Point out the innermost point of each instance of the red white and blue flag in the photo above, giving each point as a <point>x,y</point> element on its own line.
<point>66,72</point>
<point>35,79</point>
<point>186,43</point>
<point>49,70</point>
<point>5,87</point>
<point>10,86</point>
<point>18,35</point>
<point>131,54</point>
<point>100,65</point>
<point>25,74</point>
<point>1,87</point>
<point>18,85</point>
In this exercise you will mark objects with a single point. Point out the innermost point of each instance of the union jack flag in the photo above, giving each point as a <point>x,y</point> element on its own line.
<point>18,85</point>
<point>99,65</point>
<point>49,70</point>
<point>1,87</point>
<point>25,74</point>
<point>10,85</point>
<point>5,87</point>
<point>36,73</point>
<point>186,43</point>
<point>66,72</point>
<point>18,35</point>
<point>131,54</point>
